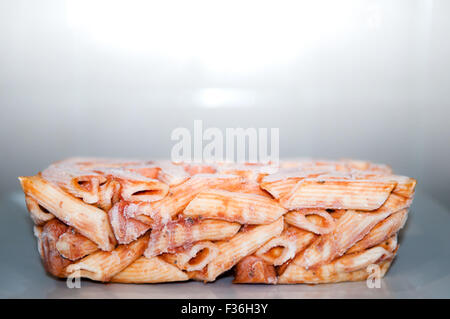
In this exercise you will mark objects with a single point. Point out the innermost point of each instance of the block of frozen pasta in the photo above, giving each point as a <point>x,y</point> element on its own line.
<point>141,221</point>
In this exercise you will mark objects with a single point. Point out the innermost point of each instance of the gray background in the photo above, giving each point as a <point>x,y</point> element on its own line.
<point>363,79</point>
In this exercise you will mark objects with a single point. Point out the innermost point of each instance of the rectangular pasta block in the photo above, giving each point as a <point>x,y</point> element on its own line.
<point>137,221</point>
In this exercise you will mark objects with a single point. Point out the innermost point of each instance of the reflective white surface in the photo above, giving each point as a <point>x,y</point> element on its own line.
<point>361,79</point>
<point>420,270</point>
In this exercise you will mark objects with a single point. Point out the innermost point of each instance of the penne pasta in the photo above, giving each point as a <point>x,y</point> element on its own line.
<point>242,244</point>
<point>135,187</point>
<point>250,187</point>
<point>254,270</point>
<point>140,221</point>
<point>108,195</point>
<point>382,231</point>
<point>81,184</point>
<point>53,262</point>
<point>125,229</point>
<point>150,270</point>
<point>103,265</point>
<point>74,246</point>
<point>338,194</point>
<point>299,219</point>
<point>280,188</point>
<point>38,214</point>
<point>199,168</point>
<point>290,164</point>
<point>324,165</point>
<point>148,191</point>
<point>172,174</point>
<point>298,275</point>
<point>282,248</point>
<point>367,166</point>
<point>234,207</point>
<point>362,259</point>
<point>405,186</point>
<point>88,220</point>
<point>251,172</point>
<point>37,232</point>
<point>351,267</point>
<point>194,258</point>
<point>280,184</point>
<point>187,231</point>
<point>179,197</point>
<point>148,170</point>
<point>351,227</point>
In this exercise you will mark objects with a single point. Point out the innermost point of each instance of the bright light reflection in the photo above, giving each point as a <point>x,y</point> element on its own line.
<point>224,37</point>
<point>224,97</point>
